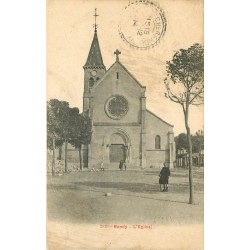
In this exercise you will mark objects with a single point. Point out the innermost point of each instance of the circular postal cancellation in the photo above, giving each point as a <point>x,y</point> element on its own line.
<point>143,24</point>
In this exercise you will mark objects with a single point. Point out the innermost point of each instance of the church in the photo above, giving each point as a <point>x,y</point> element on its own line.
<point>122,126</point>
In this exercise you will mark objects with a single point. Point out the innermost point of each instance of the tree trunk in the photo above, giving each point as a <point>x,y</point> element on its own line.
<point>85,155</point>
<point>66,156</point>
<point>191,185</point>
<point>60,153</point>
<point>80,156</point>
<point>54,156</point>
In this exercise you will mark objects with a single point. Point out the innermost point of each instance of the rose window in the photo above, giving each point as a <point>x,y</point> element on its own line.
<point>116,107</point>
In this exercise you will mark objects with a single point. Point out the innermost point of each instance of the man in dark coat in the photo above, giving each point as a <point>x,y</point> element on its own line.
<point>164,176</point>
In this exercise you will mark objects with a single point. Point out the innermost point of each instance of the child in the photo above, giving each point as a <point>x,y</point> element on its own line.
<point>102,166</point>
<point>125,166</point>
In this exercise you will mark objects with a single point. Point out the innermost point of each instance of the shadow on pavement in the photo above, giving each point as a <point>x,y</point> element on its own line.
<point>142,188</point>
<point>76,188</point>
<point>177,188</point>
<point>196,174</point>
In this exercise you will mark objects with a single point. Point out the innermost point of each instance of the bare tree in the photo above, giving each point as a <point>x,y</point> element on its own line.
<point>185,86</point>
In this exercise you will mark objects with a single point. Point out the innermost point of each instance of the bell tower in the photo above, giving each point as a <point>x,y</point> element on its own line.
<point>94,69</point>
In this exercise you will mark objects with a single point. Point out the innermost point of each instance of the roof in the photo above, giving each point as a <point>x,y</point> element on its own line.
<point>159,118</point>
<point>107,72</point>
<point>94,59</point>
<point>130,74</point>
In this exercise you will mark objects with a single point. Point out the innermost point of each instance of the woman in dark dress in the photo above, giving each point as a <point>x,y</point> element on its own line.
<point>121,165</point>
<point>164,176</point>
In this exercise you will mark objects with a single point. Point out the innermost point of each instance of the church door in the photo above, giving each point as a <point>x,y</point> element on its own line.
<point>117,152</point>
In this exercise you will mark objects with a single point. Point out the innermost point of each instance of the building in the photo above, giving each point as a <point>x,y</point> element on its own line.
<point>182,158</point>
<point>123,128</point>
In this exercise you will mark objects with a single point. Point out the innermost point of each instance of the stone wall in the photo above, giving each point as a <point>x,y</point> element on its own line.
<point>157,127</point>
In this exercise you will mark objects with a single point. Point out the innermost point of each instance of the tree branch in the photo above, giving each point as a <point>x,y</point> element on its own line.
<point>172,96</point>
<point>194,98</point>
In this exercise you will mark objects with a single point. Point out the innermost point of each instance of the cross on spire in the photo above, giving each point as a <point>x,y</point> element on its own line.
<point>95,25</point>
<point>117,53</point>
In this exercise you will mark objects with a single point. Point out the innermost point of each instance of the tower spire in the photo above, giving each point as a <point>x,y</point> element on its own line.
<point>94,59</point>
<point>95,25</point>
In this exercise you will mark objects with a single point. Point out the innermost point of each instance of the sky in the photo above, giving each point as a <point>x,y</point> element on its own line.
<point>70,33</point>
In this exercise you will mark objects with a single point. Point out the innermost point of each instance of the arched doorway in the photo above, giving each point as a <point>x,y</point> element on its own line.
<point>119,147</point>
<point>117,151</point>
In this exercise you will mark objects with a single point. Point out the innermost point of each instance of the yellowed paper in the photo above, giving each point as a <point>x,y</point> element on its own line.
<point>132,121</point>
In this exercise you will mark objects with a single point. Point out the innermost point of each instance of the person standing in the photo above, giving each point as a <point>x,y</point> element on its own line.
<point>121,164</point>
<point>124,165</point>
<point>102,166</point>
<point>164,177</point>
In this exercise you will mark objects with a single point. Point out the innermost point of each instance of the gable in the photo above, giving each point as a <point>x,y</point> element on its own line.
<point>117,81</point>
<point>124,74</point>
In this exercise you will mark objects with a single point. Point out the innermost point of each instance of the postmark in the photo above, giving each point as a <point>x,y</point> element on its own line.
<point>143,24</point>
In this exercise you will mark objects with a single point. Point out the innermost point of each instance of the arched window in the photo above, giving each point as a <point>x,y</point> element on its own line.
<point>91,82</point>
<point>157,142</point>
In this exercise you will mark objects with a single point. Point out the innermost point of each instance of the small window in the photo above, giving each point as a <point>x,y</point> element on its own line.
<point>91,82</point>
<point>157,142</point>
<point>117,75</point>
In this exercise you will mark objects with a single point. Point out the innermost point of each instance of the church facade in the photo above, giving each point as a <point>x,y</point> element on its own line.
<point>122,127</point>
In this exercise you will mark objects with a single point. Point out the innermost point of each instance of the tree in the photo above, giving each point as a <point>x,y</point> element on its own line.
<point>59,116</point>
<point>86,132</point>
<point>181,141</point>
<point>65,125</point>
<point>55,109</point>
<point>185,86</point>
<point>81,133</point>
<point>198,142</point>
<point>69,119</point>
<point>51,136</point>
